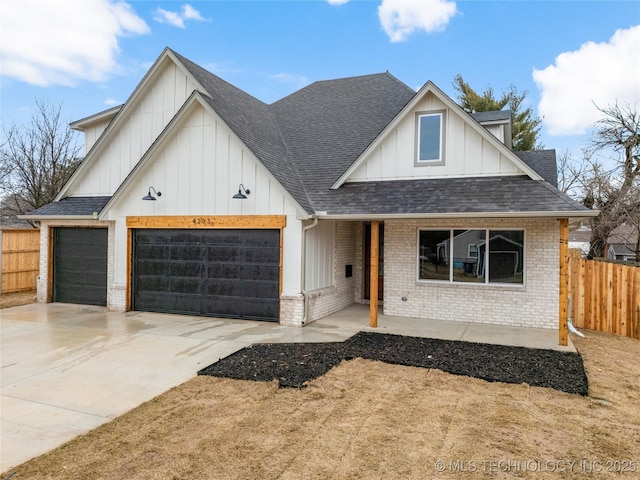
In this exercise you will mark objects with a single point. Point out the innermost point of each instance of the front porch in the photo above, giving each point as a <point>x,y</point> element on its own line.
<point>355,318</point>
<point>375,261</point>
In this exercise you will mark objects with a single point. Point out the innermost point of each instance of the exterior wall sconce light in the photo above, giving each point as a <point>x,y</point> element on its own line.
<point>148,196</point>
<point>240,195</point>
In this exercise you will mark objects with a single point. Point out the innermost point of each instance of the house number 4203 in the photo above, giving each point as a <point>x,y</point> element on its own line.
<point>202,221</point>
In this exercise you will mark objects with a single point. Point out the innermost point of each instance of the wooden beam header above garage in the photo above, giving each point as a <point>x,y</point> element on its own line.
<point>204,221</point>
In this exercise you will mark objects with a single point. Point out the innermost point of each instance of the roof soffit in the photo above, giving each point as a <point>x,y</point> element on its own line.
<point>85,122</point>
<point>430,87</point>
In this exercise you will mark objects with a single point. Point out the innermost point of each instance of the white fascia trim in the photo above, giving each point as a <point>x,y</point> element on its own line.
<point>494,122</point>
<point>101,142</point>
<point>431,87</point>
<point>81,124</point>
<point>487,215</point>
<point>55,217</point>
<point>438,177</point>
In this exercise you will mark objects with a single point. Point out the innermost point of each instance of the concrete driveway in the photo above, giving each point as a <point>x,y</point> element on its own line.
<point>68,368</point>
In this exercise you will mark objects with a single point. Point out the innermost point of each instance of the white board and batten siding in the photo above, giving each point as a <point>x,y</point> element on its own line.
<point>135,132</point>
<point>320,245</point>
<point>92,132</point>
<point>198,169</point>
<point>466,151</point>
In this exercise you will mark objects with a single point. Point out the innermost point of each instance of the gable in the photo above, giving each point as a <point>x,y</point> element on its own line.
<point>135,127</point>
<point>466,149</point>
<point>197,164</point>
<point>93,126</point>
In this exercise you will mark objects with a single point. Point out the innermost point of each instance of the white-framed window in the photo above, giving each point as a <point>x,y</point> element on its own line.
<point>482,256</point>
<point>430,135</point>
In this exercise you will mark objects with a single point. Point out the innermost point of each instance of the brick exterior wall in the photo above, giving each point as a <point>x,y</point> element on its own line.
<point>291,309</point>
<point>358,293</point>
<point>533,305</point>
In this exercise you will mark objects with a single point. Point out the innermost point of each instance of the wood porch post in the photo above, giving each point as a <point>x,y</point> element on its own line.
<point>373,274</point>
<point>563,330</point>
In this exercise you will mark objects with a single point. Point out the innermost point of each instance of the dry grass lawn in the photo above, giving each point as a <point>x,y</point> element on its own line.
<point>370,420</point>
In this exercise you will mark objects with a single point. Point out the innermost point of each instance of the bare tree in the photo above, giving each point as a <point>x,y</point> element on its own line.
<point>614,192</point>
<point>36,159</point>
<point>571,174</point>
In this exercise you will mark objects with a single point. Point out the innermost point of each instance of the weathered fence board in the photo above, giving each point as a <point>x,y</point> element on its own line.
<point>605,296</point>
<point>20,260</point>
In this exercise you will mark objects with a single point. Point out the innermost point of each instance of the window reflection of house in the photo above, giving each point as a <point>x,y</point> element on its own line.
<point>461,255</point>
<point>505,256</point>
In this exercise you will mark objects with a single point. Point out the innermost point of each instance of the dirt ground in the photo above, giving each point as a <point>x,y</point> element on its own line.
<point>370,420</point>
<point>18,298</point>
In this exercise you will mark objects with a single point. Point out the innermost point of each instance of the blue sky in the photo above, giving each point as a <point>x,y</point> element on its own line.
<point>91,54</point>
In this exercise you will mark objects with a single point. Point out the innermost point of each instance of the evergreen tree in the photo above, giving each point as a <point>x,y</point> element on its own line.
<point>526,126</point>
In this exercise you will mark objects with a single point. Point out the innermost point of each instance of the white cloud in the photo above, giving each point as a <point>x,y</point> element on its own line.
<point>298,81</point>
<point>400,18</point>
<point>191,13</point>
<point>66,41</point>
<point>596,73</point>
<point>172,18</point>
<point>337,2</point>
<point>177,19</point>
<point>112,102</point>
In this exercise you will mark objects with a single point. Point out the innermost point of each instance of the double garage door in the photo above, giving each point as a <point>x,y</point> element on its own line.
<point>220,273</point>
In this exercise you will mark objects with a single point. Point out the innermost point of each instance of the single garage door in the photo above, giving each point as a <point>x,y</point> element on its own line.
<point>219,273</point>
<point>80,265</point>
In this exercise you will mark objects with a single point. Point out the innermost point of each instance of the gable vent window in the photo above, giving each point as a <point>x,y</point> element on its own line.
<point>430,129</point>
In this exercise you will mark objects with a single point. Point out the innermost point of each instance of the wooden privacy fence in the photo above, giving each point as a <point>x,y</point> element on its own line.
<point>20,260</point>
<point>605,296</point>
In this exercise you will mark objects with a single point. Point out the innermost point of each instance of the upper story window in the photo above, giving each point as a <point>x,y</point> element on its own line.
<point>430,128</point>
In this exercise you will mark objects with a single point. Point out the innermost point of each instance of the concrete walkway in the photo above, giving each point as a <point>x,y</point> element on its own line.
<point>356,318</point>
<point>67,369</point>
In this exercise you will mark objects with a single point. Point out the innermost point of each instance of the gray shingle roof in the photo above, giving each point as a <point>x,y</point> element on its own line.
<point>328,124</point>
<point>255,124</point>
<point>72,206</point>
<point>308,139</point>
<point>490,195</point>
<point>543,162</point>
<point>622,249</point>
<point>494,116</point>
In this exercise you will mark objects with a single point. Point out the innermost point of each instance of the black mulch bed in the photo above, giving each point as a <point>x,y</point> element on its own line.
<point>295,364</point>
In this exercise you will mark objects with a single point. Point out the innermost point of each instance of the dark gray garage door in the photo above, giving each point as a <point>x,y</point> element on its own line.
<point>219,273</point>
<point>80,265</point>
